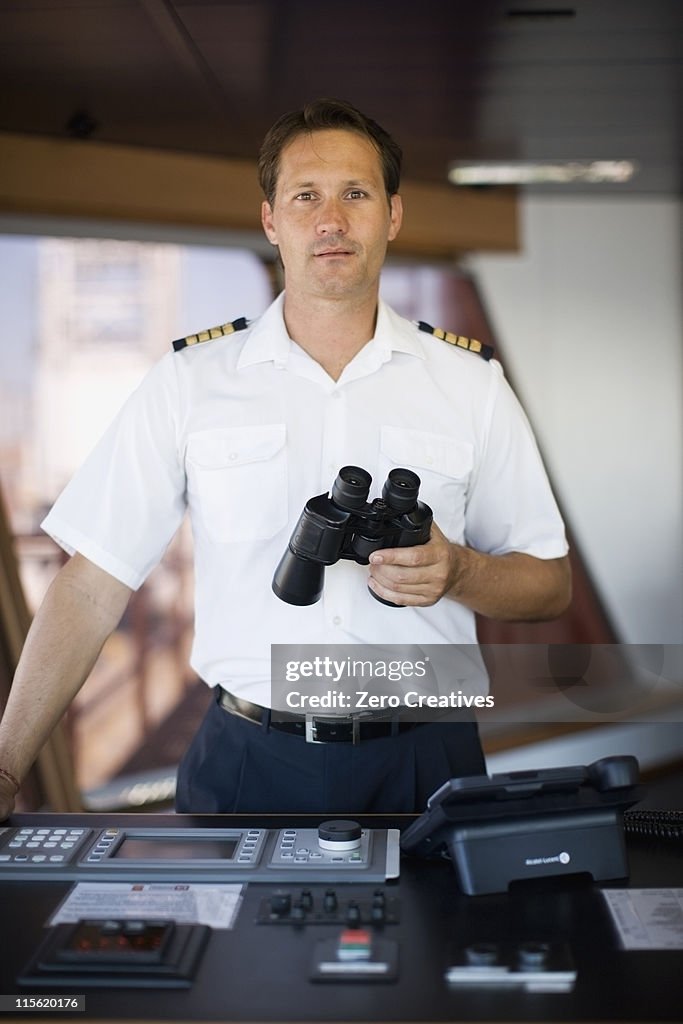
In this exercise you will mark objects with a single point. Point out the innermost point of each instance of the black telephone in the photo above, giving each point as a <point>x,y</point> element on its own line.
<point>518,825</point>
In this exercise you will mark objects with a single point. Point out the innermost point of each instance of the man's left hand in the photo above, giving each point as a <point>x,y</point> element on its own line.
<point>511,587</point>
<point>418,575</point>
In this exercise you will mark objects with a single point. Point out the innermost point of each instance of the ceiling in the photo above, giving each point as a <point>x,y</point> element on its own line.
<point>451,79</point>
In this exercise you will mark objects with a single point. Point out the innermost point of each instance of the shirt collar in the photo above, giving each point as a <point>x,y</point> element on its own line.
<point>394,333</point>
<point>268,340</point>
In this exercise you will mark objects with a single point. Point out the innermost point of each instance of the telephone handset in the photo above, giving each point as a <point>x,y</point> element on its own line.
<point>516,825</point>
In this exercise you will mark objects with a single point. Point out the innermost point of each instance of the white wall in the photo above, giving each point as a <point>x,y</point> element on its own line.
<point>589,318</point>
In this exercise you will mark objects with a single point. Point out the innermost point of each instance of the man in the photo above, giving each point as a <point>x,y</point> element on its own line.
<point>242,430</point>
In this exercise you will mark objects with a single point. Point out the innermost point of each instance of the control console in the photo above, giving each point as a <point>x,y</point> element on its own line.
<point>336,851</point>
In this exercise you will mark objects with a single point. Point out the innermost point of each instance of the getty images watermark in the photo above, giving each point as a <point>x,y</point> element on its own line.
<point>361,683</point>
<point>499,682</point>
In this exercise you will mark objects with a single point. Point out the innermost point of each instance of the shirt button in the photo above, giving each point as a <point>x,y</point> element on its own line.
<point>233,455</point>
<point>337,620</point>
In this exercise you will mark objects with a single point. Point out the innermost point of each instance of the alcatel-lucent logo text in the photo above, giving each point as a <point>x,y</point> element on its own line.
<point>557,858</point>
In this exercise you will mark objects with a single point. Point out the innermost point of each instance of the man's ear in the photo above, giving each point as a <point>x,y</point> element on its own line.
<point>267,222</point>
<point>396,206</point>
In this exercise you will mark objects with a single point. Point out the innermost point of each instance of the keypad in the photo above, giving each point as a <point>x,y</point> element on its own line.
<point>44,846</point>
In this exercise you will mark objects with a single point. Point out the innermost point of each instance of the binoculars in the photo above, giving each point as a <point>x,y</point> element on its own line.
<point>344,525</point>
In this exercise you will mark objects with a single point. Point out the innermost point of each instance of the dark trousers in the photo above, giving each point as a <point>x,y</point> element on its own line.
<point>235,766</point>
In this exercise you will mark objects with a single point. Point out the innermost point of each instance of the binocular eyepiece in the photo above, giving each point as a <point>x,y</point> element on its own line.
<point>351,489</point>
<point>344,525</point>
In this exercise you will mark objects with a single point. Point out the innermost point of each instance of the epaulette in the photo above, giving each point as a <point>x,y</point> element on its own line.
<point>471,344</point>
<point>213,332</point>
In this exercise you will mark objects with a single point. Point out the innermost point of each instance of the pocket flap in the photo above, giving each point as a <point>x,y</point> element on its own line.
<point>422,450</point>
<point>235,446</point>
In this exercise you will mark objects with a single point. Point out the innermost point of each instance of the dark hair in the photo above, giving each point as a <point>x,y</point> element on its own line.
<point>321,115</point>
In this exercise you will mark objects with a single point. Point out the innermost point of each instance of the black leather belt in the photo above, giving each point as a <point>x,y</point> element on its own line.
<point>312,728</point>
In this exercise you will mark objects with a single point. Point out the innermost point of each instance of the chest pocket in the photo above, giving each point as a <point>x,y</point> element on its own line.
<point>444,466</point>
<point>237,481</point>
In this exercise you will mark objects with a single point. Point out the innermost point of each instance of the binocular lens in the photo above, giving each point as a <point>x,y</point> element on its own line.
<point>351,488</point>
<point>401,489</point>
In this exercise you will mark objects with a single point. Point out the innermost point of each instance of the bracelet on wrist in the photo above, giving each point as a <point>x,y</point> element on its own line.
<point>5,774</point>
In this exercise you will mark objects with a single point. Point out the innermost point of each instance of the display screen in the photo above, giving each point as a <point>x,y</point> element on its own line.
<point>160,848</point>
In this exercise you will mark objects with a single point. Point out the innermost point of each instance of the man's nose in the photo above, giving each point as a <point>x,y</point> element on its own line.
<point>332,218</point>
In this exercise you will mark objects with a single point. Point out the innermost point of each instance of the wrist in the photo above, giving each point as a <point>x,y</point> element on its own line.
<point>460,571</point>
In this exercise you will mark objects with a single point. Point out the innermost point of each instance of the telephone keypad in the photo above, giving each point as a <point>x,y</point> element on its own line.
<point>42,845</point>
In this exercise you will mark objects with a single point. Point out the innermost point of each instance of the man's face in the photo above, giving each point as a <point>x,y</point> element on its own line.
<point>331,217</point>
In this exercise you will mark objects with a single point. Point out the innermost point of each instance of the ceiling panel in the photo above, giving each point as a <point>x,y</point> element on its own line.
<point>452,79</point>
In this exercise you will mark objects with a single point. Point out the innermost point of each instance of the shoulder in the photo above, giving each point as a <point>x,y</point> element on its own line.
<point>210,334</point>
<point>458,341</point>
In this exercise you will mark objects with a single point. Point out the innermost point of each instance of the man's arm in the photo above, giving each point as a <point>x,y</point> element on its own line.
<point>514,587</point>
<point>83,605</point>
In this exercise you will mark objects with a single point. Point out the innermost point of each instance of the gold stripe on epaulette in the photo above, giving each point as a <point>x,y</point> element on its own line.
<point>210,334</point>
<point>470,344</point>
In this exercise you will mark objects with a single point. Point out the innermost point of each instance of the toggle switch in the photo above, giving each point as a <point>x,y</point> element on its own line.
<point>280,904</point>
<point>298,912</point>
<point>378,909</point>
<point>353,916</point>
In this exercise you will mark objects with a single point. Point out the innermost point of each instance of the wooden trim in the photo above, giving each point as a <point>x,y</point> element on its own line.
<point>69,178</point>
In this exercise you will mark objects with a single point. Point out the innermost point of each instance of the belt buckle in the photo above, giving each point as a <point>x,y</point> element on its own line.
<point>311,730</point>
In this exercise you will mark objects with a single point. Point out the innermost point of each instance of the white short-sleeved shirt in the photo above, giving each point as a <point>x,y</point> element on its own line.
<point>244,429</point>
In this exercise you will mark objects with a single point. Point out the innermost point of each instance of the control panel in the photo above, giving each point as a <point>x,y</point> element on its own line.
<point>337,850</point>
<point>349,907</point>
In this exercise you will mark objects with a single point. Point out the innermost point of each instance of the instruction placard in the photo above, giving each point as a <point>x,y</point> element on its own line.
<point>210,904</point>
<point>647,918</point>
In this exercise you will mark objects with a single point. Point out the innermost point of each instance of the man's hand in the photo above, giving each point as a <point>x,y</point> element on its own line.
<point>418,575</point>
<point>514,587</point>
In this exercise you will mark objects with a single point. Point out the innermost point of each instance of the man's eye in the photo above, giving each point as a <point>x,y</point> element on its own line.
<point>305,195</point>
<point>356,193</point>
